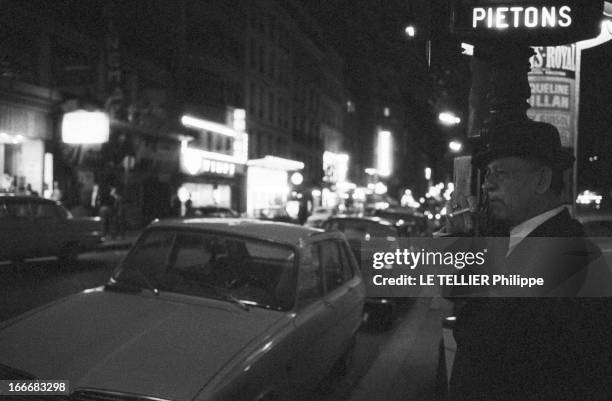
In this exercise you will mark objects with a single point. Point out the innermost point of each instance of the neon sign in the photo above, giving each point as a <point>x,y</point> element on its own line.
<point>537,22</point>
<point>521,17</point>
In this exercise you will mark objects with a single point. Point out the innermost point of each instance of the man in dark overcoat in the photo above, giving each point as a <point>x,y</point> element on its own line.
<point>550,343</point>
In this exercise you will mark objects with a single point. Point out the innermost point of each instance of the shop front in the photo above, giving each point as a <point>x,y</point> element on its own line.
<point>26,127</point>
<point>268,186</point>
<point>211,178</point>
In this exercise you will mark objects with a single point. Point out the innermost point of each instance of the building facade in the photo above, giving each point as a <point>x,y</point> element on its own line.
<point>148,66</point>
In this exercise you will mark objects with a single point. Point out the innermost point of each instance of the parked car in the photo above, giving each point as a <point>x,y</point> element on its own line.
<point>414,223</point>
<point>33,227</point>
<point>359,230</point>
<point>278,214</point>
<point>223,309</point>
<point>318,216</point>
<point>599,228</point>
<point>212,211</point>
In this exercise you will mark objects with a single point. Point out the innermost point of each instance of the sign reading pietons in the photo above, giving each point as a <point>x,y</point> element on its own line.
<point>541,22</point>
<point>521,17</point>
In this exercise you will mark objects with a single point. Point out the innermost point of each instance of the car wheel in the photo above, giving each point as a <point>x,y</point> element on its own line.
<point>69,252</point>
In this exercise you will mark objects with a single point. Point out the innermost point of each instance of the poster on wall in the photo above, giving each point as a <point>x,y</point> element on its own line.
<point>554,81</point>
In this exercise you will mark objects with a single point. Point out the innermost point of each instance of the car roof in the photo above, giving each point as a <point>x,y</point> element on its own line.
<point>286,233</point>
<point>587,218</point>
<point>212,207</point>
<point>374,219</point>
<point>27,198</point>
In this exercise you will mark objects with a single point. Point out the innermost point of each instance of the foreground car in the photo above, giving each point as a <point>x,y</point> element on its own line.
<point>34,227</point>
<point>202,309</point>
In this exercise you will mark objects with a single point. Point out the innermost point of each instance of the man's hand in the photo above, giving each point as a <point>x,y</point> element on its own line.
<point>459,215</point>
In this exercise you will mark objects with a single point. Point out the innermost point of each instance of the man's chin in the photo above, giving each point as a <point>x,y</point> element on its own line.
<point>497,220</point>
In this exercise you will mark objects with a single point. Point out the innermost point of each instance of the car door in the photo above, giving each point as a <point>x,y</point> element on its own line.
<point>18,232</point>
<point>314,322</point>
<point>52,232</point>
<point>343,291</point>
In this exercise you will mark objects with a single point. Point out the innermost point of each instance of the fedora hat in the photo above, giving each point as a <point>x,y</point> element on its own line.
<point>526,139</point>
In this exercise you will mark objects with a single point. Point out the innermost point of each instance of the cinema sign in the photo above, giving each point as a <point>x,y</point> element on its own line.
<point>538,22</point>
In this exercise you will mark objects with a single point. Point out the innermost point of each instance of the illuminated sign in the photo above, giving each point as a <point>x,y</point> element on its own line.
<point>544,22</point>
<point>196,161</point>
<point>81,126</point>
<point>521,17</point>
<point>210,166</point>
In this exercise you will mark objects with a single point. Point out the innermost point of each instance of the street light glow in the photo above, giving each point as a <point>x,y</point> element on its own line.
<point>448,118</point>
<point>85,127</point>
<point>455,146</point>
<point>410,31</point>
<point>383,162</point>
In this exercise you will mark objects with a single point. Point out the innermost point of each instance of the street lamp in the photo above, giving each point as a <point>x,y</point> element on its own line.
<point>448,118</point>
<point>455,146</point>
<point>410,31</point>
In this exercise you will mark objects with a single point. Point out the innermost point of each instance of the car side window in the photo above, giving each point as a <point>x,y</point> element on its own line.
<point>309,280</point>
<point>17,208</point>
<point>348,267</point>
<point>46,211</point>
<point>4,214</point>
<point>332,266</point>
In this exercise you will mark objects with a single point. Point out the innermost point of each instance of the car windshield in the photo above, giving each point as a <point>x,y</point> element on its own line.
<point>211,265</point>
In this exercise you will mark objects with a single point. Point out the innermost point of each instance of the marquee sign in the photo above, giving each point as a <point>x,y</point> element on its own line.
<point>538,22</point>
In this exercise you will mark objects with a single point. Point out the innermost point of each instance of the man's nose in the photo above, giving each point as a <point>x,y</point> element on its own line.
<point>487,185</point>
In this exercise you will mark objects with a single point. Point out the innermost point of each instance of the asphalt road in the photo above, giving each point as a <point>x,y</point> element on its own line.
<point>37,282</point>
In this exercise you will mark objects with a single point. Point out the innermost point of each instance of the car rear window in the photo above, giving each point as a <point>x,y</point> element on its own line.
<point>203,264</point>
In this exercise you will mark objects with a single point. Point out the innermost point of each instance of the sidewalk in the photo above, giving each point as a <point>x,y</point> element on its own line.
<point>119,243</point>
<point>407,368</point>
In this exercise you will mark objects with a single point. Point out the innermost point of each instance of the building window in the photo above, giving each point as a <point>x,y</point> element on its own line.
<point>262,59</point>
<point>350,106</point>
<point>252,98</point>
<point>386,112</point>
<point>261,102</point>
<point>253,54</point>
<point>272,66</point>
<point>271,107</point>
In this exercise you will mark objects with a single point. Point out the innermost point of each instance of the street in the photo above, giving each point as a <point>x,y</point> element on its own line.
<point>37,282</point>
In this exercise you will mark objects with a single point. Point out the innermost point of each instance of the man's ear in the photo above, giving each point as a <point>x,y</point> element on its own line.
<point>544,180</point>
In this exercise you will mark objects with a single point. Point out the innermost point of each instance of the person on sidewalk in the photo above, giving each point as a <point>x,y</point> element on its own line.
<point>104,204</point>
<point>119,217</point>
<point>552,346</point>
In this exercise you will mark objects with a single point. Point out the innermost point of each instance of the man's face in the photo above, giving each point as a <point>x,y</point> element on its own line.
<point>510,184</point>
